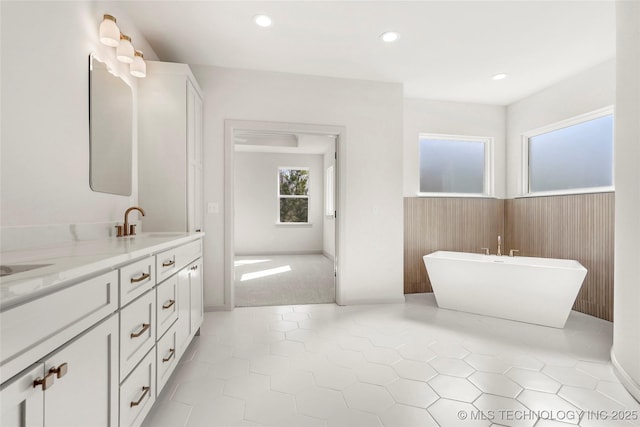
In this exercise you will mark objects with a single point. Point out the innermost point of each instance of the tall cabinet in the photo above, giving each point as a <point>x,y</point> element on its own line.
<point>170,176</point>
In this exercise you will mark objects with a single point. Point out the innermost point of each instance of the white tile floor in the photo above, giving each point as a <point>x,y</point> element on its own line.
<point>392,365</point>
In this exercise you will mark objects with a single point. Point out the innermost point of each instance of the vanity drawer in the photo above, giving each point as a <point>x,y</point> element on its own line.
<point>166,305</point>
<point>137,393</point>
<point>137,331</point>
<point>34,329</point>
<point>172,260</point>
<point>167,359</point>
<point>136,279</point>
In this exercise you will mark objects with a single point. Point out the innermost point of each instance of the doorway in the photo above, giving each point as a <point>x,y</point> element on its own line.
<point>281,213</point>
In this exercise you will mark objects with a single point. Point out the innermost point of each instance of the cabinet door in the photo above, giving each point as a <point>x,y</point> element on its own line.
<point>195,290</point>
<point>85,391</point>
<point>183,324</point>
<point>22,403</point>
<point>194,160</point>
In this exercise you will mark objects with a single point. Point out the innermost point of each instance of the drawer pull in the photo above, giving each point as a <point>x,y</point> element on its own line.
<point>60,371</point>
<point>45,382</point>
<point>172,352</point>
<point>195,267</point>
<point>169,263</point>
<point>141,278</point>
<point>169,304</point>
<point>145,391</point>
<point>145,326</point>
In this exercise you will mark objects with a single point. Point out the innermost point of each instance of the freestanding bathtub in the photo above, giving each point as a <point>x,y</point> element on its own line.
<point>526,289</point>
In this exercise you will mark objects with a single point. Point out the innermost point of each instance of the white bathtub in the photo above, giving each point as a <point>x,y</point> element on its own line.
<point>532,290</point>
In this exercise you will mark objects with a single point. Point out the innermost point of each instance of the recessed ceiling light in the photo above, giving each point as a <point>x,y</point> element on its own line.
<point>262,20</point>
<point>389,36</point>
<point>499,76</point>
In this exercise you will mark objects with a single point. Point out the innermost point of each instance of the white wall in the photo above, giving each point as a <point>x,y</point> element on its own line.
<point>370,162</point>
<point>256,205</point>
<point>453,118</point>
<point>582,93</point>
<point>329,228</point>
<point>626,308</point>
<point>45,133</point>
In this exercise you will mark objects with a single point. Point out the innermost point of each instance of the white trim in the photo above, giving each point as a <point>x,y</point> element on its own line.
<point>471,195</point>
<point>574,191</point>
<point>231,125</point>
<point>293,223</point>
<point>488,184</point>
<point>572,121</point>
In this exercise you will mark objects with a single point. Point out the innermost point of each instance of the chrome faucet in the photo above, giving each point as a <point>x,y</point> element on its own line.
<point>499,242</point>
<point>128,229</point>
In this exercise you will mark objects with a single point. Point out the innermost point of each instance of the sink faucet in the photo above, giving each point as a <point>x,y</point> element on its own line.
<point>499,242</point>
<point>128,229</point>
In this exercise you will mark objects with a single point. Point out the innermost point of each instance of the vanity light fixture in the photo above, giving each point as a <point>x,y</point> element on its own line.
<point>109,31</point>
<point>138,67</point>
<point>111,35</point>
<point>262,21</point>
<point>389,36</point>
<point>499,76</point>
<point>125,51</point>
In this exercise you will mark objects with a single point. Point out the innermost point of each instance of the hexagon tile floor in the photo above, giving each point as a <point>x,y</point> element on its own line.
<point>393,365</point>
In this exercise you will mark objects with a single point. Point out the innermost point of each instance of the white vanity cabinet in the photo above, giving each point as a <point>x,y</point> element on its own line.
<point>74,386</point>
<point>98,349</point>
<point>170,142</point>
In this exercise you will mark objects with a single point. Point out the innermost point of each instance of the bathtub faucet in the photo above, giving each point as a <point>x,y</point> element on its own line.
<point>499,242</point>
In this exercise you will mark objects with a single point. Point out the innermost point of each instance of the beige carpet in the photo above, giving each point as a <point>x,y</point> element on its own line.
<point>283,280</point>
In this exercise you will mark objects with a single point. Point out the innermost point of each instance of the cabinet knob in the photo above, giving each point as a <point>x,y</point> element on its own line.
<point>60,371</point>
<point>195,267</point>
<point>45,382</point>
<point>145,326</point>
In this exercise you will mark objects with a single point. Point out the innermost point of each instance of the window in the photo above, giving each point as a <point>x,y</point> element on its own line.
<point>329,189</point>
<point>293,195</point>
<point>574,156</point>
<point>455,165</point>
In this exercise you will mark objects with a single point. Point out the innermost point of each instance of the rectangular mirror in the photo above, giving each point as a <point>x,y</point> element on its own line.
<point>110,130</point>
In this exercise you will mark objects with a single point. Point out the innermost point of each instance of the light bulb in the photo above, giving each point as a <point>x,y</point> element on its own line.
<point>262,20</point>
<point>390,36</point>
<point>125,51</point>
<point>138,67</point>
<point>109,31</point>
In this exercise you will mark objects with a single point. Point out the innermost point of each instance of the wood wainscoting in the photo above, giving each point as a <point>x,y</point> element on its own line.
<point>579,227</point>
<point>450,224</point>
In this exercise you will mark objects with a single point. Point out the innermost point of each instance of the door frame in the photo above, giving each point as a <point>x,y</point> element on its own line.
<point>230,126</point>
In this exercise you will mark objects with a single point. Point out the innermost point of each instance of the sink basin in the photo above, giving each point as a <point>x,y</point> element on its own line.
<point>7,270</point>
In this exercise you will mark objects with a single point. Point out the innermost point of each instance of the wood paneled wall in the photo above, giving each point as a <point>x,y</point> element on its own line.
<point>579,227</point>
<point>454,224</point>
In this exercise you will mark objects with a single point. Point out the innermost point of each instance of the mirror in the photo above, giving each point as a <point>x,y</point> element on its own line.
<point>110,130</point>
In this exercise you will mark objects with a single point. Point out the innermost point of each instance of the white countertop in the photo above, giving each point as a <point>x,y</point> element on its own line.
<point>76,260</point>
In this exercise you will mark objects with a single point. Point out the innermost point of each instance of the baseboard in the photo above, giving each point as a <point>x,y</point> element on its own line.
<point>632,387</point>
<point>366,301</point>
<point>218,308</point>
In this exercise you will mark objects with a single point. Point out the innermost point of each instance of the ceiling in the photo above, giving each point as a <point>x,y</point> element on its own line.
<point>448,50</point>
